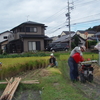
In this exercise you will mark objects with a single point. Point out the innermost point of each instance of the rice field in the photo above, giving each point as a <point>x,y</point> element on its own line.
<point>12,66</point>
<point>85,56</point>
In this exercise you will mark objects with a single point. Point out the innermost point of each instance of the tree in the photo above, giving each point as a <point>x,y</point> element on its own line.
<point>95,28</point>
<point>75,41</point>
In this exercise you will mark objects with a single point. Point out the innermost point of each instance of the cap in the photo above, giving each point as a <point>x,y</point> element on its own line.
<point>84,48</point>
<point>51,54</point>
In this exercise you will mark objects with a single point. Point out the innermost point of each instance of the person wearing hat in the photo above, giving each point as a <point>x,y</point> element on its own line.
<point>52,61</point>
<point>74,59</point>
<point>78,49</point>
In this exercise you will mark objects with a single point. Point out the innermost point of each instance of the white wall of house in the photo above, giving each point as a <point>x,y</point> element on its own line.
<point>4,34</point>
<point>54,38</point>
<point>63,34</point>
<point>4,39</point>
<point>84,36</point>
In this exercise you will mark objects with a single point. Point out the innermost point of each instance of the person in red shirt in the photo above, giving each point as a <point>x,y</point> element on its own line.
<point>73,64</point>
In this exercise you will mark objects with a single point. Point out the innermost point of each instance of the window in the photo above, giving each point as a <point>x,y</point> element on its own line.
<point>21,29</point>
<point>32,46</point>
<point>31,29</point>
<point>5,37</point>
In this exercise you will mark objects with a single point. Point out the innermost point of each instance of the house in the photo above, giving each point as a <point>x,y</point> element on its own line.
<point>85,34</point>
<point>66,33</point>
<point>4,39</point>
<point>66,39</point>
<point>64,36</point>
<point>27,36</point>
<point>95,37</point>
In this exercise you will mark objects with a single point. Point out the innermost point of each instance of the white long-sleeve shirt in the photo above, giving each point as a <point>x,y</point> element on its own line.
<point>76,49</point>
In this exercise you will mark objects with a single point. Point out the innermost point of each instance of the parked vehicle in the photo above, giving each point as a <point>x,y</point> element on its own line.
<point>60,47</point>
<point>48,48</point>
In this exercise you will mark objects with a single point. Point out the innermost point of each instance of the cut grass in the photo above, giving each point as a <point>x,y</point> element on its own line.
<point>57,88</point>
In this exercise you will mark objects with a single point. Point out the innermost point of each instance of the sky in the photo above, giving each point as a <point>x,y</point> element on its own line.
<point>83,14</point>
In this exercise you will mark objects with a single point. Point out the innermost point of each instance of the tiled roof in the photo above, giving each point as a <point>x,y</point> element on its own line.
<point>98,33</point>
<point>90,32</point>
<point>64,38</point>
<point>67,32</point>
<point>30,23</point>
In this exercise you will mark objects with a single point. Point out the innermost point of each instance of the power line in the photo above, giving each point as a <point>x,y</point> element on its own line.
<point>85,21</point>
<point>85,17</point>
<point>55,14</point>
<point>73,24</point>
<point>84,3</point>
<point>58,27</point>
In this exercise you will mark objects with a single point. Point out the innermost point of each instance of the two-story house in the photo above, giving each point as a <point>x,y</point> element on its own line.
<point>28,36</point>
<point>85,34</point>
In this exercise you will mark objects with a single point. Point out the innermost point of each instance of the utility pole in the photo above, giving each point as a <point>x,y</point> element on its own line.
<point>68,18</point>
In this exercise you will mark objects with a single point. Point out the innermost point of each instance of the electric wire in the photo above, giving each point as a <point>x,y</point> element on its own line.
<point>64,11</point>
<point>85,17</point>
<point>86,21</point>
<point>80,18</point>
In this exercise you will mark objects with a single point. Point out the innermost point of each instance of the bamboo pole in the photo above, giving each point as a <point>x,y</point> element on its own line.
<point>14,89</point>
<point>30,82</point>
<point>12,86</point>
<point>25,82</point>
<point>7,87</point>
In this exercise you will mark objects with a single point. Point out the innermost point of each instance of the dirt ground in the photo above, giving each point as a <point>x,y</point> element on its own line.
<point>96,71</point>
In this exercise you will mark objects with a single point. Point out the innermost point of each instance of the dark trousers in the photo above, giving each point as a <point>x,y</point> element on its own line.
<point>73,68</point>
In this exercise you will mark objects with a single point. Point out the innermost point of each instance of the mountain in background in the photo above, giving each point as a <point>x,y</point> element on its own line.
<point>95,28</point>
